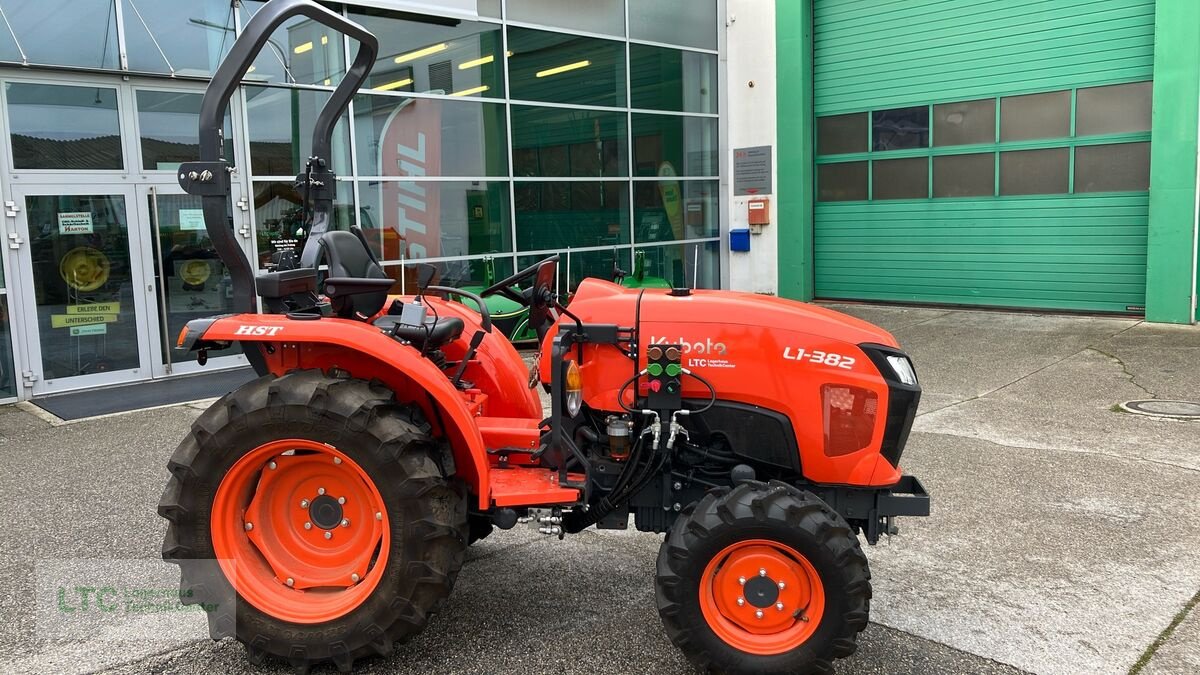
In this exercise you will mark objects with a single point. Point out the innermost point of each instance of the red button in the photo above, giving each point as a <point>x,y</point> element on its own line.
<point>655,385</point>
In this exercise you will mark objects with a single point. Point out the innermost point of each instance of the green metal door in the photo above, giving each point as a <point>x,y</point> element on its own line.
<point>983,153</point>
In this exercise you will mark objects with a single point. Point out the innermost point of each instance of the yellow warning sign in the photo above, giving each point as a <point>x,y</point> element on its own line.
<point>96,308</point>
<point>68,320</point>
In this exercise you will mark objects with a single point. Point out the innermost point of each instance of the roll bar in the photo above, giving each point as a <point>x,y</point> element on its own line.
<point>209,177</point>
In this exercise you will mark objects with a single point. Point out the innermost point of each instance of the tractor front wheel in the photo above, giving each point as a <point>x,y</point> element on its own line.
<point>763,578</point>
<point>313,519</point>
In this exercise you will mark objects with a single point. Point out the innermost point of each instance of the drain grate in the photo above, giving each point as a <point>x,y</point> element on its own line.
<point>1185,410</point>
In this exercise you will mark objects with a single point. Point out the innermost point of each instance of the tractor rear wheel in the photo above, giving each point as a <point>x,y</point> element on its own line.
<point>763,578</point>
<point>313,519</point>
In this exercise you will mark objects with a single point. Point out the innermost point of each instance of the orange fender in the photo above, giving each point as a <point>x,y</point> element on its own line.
<point>363,351</point>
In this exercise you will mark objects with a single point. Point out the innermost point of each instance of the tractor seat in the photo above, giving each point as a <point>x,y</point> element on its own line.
<point>435,334</point>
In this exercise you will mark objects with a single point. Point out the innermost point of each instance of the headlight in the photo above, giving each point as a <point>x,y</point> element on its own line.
<point>903,369</point>
<point>574,389</point>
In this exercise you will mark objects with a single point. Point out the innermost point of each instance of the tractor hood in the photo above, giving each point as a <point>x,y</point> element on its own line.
<point>599,301</point>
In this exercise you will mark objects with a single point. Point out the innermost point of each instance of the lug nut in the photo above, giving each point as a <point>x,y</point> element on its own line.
<point>779,606</point>
<point>345,522</point>
<point>741,581</point>
<point>378,515</point>
<point>762,572</point>
<point>271,465</point>
<point>328,534</point>
<point>249,526</point>
<point>341,500</point>
<point>304,503</point>
<point>741,601</point>
<point>290,581</point>
<point>308,526</point>
<point>320,491</point>
<point>354,578</point>
<point>758,614</point>
<point>782,586</point>
<point>337,460</point>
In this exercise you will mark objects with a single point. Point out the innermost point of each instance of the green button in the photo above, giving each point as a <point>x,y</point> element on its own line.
<point>654,369</point>
<point>673,369</point>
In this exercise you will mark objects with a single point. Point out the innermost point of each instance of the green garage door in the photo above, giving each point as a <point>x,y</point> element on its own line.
<point>983,152</point>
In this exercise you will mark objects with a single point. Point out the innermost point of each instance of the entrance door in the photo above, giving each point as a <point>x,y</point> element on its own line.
<point>190,281</point>
<point>84,289</point>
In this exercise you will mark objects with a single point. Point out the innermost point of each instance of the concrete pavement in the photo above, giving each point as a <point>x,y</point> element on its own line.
<point>1063,538</point>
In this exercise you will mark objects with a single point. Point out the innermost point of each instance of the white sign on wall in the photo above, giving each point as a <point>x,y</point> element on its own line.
<point>191,219</point>
<point>75,222</point>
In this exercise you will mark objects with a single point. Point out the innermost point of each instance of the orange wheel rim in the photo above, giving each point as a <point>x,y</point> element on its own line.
<point>300,530</point>
<point>762,597</point>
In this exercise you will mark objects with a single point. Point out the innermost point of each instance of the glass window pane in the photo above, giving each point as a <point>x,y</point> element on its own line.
<point>300,51</point>
<point>671,210</point>
<point>964,175</point>
<point>593,143</point>
<point>281,125</point>
<point>842,182</point>
<point>686,145</point>
<point>435,219</point>
<point>900,128</point>
<point>182,38</point>
<point>279,216</point>
<point>1034,172</point>
<point>61,33</point>
<point>900,178</point>
<point>672,79</point>
<point>59,127</point>
<point>837,134</point>
<point>1115,109</point>
<point>692,23</point>
<point>593,16</point>
<point>695,265</point>
<point>473,275</point>
<point>434,54</point>
<point>8,383</point>
<point>964,122</point>
<point>397,136</point>
<point>558,215</point>
<point>1024,118</point>
<point>562,68</point>
<point>575,266</point>
<point>169,123</point>
<point>1120,167</point>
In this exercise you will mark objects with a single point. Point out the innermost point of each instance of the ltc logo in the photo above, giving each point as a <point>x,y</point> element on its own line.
<point>268,331</point>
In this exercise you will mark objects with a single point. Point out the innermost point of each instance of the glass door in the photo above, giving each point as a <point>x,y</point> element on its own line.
<point>83,285</point>
<point>190,280</point>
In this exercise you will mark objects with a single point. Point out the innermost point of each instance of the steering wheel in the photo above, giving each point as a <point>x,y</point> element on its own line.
<point>505,286</point>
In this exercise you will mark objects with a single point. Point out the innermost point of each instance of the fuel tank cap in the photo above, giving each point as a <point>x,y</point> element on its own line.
<point>681,292</point>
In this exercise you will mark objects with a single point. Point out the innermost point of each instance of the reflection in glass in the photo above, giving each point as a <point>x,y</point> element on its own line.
<point>301,51</point>
<point>1034,172</point>
<point>554,215</point>
<point>562,68</point>
<point>842,182</point>
<point>593,16</point>
<point>900,178</point>
<point>964,175</point>
<point>194,282</point>
<point>695,265</point>
<point>61,33</point>
<point>280,124</point>
<point>1115,109</point>
<point>593,143</point>
<point>405,220</point>
<point>63,127</point>
<point>179,38</point>
<point>82,284</point>
<point>434,54</point>
<point>839,134</point>
<point>672,79</point>
<point>964,122</point>
<point>575,266</point>
<point>686,145</point>
<point>169,122</point>
<point>279,217</point>
<point>900,128</point>
<point>692,23</point>
<point>1120,167</point>
<point>8,382</point>
<point>470,274</point>
<point>429,137</point>
<point>1024,118</point>
<point>671,210</point>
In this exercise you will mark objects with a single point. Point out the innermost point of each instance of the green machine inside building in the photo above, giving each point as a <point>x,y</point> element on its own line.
<point>990,153</point>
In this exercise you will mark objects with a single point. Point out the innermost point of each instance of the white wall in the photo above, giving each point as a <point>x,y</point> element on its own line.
<point>750,121</point>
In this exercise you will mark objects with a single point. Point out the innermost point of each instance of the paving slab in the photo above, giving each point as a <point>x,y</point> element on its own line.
<point>1179,653</point>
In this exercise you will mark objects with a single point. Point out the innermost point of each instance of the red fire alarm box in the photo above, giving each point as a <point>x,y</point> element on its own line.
<point>758,211</point>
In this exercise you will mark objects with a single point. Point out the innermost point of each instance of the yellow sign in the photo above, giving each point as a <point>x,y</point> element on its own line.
<point>95,308</point>
<point>68,320</point>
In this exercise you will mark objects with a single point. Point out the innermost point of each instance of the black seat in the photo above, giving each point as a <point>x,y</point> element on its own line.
<point>350,259</point>
<point>435,334</point>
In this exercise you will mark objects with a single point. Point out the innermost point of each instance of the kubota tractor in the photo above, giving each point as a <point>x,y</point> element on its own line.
<point>321,512</point>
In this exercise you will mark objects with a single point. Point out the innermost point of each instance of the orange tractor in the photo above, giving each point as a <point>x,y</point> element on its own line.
<point>321,512</point>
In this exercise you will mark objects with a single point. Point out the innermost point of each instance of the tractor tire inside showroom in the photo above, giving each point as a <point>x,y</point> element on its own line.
<point>763,578</point>
<point>313,518</point>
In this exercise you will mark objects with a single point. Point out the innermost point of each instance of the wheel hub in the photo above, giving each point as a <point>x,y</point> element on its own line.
<point>325,512</point>
<point>761,592</point>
